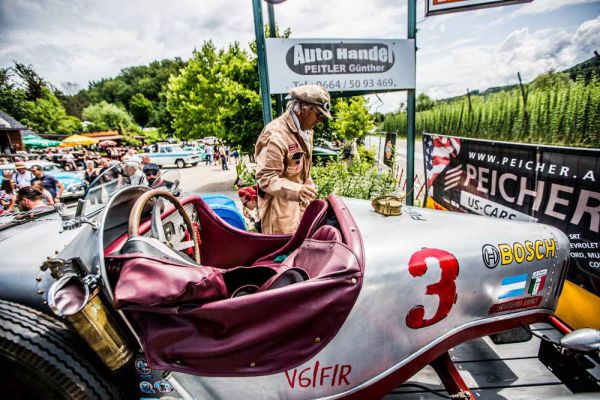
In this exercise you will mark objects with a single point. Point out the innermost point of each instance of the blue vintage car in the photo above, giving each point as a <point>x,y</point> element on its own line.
<point>73,181</point>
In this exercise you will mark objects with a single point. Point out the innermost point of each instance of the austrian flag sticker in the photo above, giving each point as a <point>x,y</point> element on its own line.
<point>537,282</point>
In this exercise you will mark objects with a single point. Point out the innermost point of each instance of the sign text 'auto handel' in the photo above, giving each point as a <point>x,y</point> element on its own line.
<point>339,58</point>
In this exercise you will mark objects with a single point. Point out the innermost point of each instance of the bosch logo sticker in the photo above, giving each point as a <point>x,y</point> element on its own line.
<point>505,253</point>
<point>491,256</point>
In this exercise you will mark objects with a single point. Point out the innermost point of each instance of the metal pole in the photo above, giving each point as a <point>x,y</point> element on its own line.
<point>272,34</point>
<point>410,110</point>
<point>263,76</point>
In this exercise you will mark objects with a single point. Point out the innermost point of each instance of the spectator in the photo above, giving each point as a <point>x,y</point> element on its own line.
<point>7,194</point>
<point>209,154</point>
<point>90,172</point>
<point>236,156</point>
<point>248,198</point>
<point>30,199</point>
<point>22,177</point>
<point>146,159</point>
<point>136,177</point>
<point>46,196</point>
<point>50,183</point>
<point>223,157</point>
<point>152,172</point>
<point>283,160</point>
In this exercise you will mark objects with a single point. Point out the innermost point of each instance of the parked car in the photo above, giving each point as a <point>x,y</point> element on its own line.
<point>322,155</point>
<point>210,140</point>
<point>72,180</point>
<point>171,154</point>
<point>132,298</point>
<point>196,148</point>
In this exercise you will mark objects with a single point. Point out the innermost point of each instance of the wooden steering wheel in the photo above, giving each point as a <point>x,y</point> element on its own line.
<point>158,231</point>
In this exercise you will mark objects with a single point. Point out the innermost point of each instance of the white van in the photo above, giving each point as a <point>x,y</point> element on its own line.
<point>211,140</point>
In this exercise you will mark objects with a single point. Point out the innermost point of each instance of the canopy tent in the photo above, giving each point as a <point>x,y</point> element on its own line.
<point>36,142</point>
<point>78,140</point>
<point>107,143</point>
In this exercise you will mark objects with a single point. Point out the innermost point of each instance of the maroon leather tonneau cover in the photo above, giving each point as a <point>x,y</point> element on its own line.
<point>188,323</point>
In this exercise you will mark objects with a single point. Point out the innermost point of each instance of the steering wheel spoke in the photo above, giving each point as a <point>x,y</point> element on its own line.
<point>156,225</point>
<point>183,245</point>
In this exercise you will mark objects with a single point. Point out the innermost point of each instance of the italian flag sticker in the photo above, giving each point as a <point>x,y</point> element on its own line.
<point>537,282</point>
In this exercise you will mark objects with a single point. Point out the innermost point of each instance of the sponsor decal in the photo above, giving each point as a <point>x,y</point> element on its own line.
<point>414,214</point>
<point>163,386</point>
<point>142,366</point>
<point>512,286</point>
<point>490,255</point>
<point>444,288</point>
<point>481,206</point>
<point>339,58</point>
<point>537,282</point>
<point>518,252</point>
<point>517,304</point>
<point>318,375</point>
<point>146,387</point>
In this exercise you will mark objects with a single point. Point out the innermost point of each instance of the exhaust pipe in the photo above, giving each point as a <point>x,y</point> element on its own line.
<point>79,301</point>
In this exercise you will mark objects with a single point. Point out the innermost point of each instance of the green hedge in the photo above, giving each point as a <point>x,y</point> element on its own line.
<point>566,114</point>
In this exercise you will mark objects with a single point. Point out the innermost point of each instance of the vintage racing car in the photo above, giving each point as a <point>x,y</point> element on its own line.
<point>142,294</point>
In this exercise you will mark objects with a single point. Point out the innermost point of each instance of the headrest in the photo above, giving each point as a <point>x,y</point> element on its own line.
<point>327,233</point>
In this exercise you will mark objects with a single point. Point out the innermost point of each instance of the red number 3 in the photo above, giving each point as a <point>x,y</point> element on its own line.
<point>445,288</point>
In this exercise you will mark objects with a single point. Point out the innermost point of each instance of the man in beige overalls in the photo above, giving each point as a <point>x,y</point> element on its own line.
<point>283,160</point>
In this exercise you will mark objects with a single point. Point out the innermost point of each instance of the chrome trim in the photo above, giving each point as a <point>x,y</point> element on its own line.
<point>56,286</point>
<point>448,334</point>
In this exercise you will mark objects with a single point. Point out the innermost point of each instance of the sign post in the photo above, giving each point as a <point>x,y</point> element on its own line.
<point>411,113</point>
<point>259,31</point>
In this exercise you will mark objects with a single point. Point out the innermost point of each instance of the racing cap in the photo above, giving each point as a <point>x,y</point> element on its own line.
<point>151,168</point>
<point>313,94</point>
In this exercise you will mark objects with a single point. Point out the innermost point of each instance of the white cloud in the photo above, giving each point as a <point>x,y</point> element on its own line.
<point>87,40</point>
<point>450,73</point>
<point>545,6</point>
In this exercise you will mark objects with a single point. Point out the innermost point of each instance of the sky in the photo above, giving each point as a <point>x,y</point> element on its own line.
<point>86,40</point>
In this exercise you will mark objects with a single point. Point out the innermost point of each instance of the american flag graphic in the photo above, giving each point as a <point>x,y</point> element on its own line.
<point>438,150</point>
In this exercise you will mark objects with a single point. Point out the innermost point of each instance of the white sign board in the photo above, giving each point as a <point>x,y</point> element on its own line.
<point>341,65</point>
<point>433,7</point>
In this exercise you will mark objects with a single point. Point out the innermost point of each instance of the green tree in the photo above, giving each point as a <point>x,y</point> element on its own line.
<point>217,94</point>
<point>352,118</point>
<point>550,80</point>
<point>13,100</point>
<point>193,96</point>
<point>141,109</point>
<point>45,114</point>
<point>105,116</point>
<point>424,102</point>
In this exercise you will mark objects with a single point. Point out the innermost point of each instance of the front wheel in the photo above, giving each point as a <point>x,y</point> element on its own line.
<point>180,163</point>
<point>42,359</point>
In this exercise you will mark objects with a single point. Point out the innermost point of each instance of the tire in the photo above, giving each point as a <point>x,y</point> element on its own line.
<point>43,359</point>
<point>180,163</point>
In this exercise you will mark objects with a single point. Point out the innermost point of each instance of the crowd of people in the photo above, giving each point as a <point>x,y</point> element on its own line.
<point>45,190</point>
